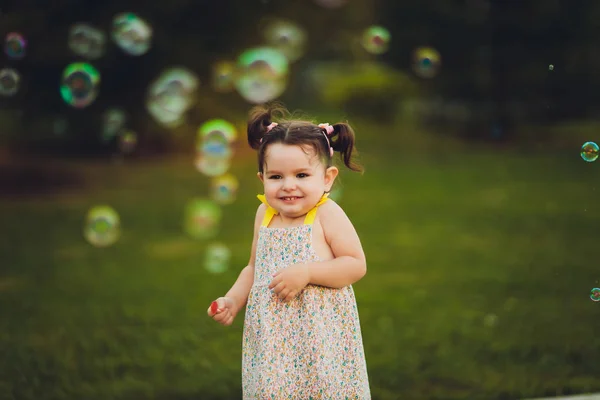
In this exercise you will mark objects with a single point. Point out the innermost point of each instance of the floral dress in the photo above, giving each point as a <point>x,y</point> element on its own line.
<point>310,347</point>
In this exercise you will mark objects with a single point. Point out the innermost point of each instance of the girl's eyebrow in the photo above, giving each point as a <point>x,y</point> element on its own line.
<point>306,169</point>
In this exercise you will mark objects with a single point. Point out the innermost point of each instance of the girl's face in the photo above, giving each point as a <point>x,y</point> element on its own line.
<point>294,179</point>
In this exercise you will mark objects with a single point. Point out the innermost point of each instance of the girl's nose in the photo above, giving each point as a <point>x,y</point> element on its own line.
<point>289,184</point>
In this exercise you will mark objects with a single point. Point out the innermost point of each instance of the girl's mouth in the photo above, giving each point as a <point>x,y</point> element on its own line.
<point>290,199</point>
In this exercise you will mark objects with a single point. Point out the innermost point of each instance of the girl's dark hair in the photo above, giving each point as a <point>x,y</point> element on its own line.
<point>300,133</point>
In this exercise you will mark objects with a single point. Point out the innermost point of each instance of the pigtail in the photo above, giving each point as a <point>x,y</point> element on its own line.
<point>343,142</point>
<point>260,117</point>
<point>258,120</point>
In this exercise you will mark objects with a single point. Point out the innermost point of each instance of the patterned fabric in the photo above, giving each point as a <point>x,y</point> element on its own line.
<point>308,348</point>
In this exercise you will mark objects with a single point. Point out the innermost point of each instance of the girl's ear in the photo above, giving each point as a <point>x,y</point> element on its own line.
<point>260,176</point>
<point>330,174</point>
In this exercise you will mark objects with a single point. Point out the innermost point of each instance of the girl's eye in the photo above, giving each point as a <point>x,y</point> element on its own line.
<point>274,177</point>
<point>302,175</point>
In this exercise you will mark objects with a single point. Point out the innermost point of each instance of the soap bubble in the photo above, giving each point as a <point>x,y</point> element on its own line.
<point>131,33</point>
<point>202,218</point>
<point>595,294</point>
<point>166,118</point>
<point>589,151</point>
<point>213,147</point>
<point>376,40</point>
<point>220,126</point>
<point>426,62</point>
<point>211,165</point>
<point>177,81</point>
<point>262,74</point>
<point>9,81</point>
<point>80,82</point>
<point>113,121</point>
<point>127,141</point>
<point>287,37</point>
<point>15,45</point>
<point>223,76</point>
<point>224,189</point>
<point>217,258</point>
<point>216,144</point>
<point>171,95</point>
<point>86,41</point>
<point>102,226</point>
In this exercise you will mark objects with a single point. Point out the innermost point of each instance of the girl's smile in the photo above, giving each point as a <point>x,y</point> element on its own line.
<point>290,199</point>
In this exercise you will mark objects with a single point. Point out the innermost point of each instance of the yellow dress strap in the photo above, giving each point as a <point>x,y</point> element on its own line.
<point>310,216</point>
<point>269,213</point>
<point>308,220</point>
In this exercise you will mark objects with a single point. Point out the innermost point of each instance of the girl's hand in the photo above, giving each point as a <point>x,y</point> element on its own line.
<point>222,310</point>
<point>288,282</point>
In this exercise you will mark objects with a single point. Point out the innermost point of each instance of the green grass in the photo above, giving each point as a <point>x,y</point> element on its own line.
<point>454,237</point>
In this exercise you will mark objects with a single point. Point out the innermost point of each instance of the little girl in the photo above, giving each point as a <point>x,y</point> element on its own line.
<point>302,337</point>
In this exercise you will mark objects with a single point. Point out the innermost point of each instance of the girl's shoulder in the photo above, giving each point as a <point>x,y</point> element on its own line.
<point>260,215</point>
<point>262,208</point>
<point>329,204</point>
<point>330,213</point>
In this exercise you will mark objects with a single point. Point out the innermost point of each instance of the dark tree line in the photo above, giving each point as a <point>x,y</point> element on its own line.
<point>494,51</point>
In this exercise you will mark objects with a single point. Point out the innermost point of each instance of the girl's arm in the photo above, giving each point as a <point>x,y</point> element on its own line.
<point>241,288</point>
<point>349,264</point>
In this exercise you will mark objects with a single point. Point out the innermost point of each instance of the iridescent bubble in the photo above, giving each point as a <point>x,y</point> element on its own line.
<point>262,74</point>
<point>86,41</point>
<point>331,3</point>
<point>127,141</point>
<point>214,141</point>
<point>215,145</point>
<point>131,33</point>
<point>79,86</point>
<point>166,118</point>
<point>171,95</point>
<point>264,61</point>
<point>9,81</point>
<point>223,76</point>
<point>113,122</point>
<point>376,39</point>
<point>426,62</point>
<point>102,226</point>
<point>217,258</point>
<point>595,294</point>
<point>211,165</point>
<point>224,189</point>
<point>15,45</point>
<point>260,91</point>
<point>287,37</point>
<point>171,103</point>
<point>202,218</point>
<point>226,129</point>
<point>177,81</point>
<point>589,151</point>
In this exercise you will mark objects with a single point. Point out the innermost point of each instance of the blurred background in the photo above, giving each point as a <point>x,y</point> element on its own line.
<point>128,190</point>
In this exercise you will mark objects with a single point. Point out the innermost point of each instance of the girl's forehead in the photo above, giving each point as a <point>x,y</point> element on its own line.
<point>280,155</point>
<point>285,151</point>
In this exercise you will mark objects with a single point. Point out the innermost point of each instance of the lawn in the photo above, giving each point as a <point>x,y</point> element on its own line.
<point>480,266</point>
